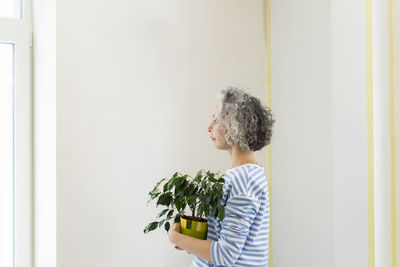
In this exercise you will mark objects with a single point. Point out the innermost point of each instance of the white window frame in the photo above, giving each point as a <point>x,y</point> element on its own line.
<point>18,31</point>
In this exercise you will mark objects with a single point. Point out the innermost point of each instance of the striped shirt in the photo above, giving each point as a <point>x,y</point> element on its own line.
<point>241,239</point>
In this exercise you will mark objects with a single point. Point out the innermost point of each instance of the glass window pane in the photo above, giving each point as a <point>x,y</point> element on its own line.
<point>6,154</point>
<point>10,8</point>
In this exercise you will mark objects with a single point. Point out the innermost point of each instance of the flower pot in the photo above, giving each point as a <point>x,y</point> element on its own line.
<point>194,228</point>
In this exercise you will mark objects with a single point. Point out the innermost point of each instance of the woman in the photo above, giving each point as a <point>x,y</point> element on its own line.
<point>241,125</point>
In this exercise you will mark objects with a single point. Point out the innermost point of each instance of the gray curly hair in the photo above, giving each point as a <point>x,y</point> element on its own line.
<point>246,121</point>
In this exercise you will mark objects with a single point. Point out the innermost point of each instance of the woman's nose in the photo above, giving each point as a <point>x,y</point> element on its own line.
<point>210,127</point>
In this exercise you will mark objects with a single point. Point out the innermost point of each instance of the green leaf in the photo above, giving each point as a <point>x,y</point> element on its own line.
<point>158,183</point>
<point>170,214</point>
<point>184,185</point>
<point>195,190</point>
<point>178,182</point>
<point>167,226</point>
<point>171,184</point>
<point>191,199</point>
<point>215,195</point>
<point>200,210</point>
<point>178,203</point>
<point>207,187</point>
<point>198,176</point>
<point>150,227</point>
<point>189,189</point>
<point>163,212</point>
<point>165,199</point>
<point>154,193</point>
<point>221,212</point>
<point>165,187</point>
<point>214,212</point>
<point>212,179</point>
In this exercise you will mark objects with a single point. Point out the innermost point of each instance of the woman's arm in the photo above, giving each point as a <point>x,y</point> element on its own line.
<point>198,247</point>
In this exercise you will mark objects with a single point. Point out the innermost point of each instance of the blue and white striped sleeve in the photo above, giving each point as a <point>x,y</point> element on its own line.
<point>240,211</point>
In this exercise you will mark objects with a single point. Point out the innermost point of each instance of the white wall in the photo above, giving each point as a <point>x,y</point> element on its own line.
<point>349,143</point>
<point>319,188</point>
<point>136,85</point>
<point>302,152</point>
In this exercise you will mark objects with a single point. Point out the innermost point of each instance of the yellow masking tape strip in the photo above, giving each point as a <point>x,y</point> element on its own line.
<point>370,136</point>
<point>392,147</point>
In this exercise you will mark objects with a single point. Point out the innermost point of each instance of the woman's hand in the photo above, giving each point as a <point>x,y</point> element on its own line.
<point>173,235</point>
<point>173,232</point>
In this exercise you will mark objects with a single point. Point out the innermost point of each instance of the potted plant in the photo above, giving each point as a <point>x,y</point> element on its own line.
<point>201,194</point>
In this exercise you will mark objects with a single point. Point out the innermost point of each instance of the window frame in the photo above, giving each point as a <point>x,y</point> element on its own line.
<point>18,31</point>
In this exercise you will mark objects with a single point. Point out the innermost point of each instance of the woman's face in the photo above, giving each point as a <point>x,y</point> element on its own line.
<point>217,133</point>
